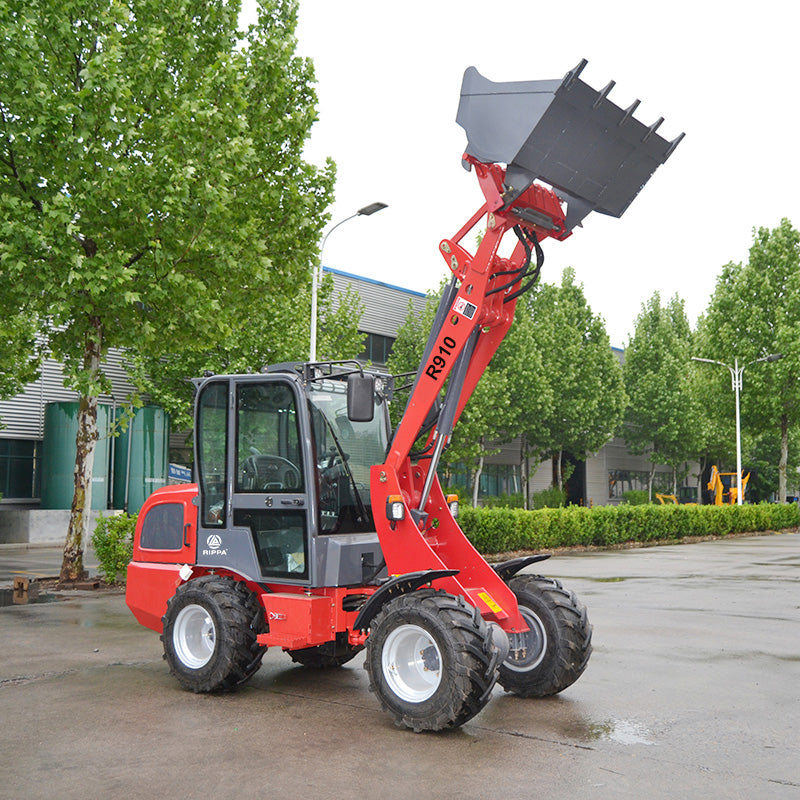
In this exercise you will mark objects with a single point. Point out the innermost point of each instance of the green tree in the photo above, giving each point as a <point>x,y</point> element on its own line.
<point>251,343</point>
<point>755,312</point>
<point>153,195</point>
<point>530,391</point>
<point>586,393</point>
<point>20,352</point>
<point>339,315</point>
<point>661,417</point>
<point>408,348</point>
<point>484,422</point>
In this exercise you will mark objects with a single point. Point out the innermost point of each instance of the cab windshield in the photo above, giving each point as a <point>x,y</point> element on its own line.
<point>345,451</point>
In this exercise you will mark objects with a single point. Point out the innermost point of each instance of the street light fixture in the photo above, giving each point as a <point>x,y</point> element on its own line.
<point>316,279</point>
<point>736,384</point>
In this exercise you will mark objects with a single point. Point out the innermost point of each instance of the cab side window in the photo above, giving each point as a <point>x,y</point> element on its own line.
<point>267,439</point>
<point>212,452</point>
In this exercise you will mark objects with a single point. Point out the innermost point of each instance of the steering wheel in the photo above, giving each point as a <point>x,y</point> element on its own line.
<point>270,473</point>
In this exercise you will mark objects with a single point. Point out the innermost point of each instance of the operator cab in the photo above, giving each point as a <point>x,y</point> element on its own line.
<point>283,473</point>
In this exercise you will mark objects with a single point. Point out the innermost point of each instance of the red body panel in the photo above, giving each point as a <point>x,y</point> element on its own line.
<point>148,589</point>
<point>300,619</point>
<point>153,575</point>
<point>297,620</point>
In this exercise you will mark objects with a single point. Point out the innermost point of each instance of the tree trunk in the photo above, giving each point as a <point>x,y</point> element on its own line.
<point>527,483</point>
<point>650,481</point>
<point>476,482</point>
<point>557,472</point>
<point>85,441</point>
<point>784,458</point>
<point>700,485</point>
<point>525,472</point>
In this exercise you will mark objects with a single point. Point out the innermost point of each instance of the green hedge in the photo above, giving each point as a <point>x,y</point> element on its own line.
<point>112,542</point>
<point>496,530</point>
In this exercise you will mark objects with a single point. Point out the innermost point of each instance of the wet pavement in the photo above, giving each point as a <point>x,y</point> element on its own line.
<point>36,561</point>
<point>693,690</point>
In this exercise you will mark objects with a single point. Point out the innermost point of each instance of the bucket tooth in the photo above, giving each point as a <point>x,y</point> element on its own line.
<point>595,155</point>
<point>629,111</point>
<point>604,93</point>
<point>652,129</point>
<point>574,74</point>
<point>673,144</point>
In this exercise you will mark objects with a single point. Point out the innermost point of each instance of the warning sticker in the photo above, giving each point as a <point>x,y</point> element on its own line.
<point>464,307</point>
<point>490,602</point>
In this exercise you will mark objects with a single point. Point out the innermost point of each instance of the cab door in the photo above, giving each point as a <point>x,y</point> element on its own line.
<point>270,484</point>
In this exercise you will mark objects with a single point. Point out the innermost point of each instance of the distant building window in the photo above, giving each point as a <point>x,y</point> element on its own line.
<point>496,479</point>
<point>625,480</point>
<point>500,479</point>
<point>377,348</point>
<point>19,468</point>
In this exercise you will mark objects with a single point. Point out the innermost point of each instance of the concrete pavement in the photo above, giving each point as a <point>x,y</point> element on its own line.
<point>36,561</point>
<point>692,691</point>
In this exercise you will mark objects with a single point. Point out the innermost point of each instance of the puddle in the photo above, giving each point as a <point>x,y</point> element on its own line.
<point>7,599</point>
<point>621,731</point>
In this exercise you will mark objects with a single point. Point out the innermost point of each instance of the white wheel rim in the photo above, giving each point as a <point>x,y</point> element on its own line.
<point>412,663</point>
<point>534,641</point>
<point>194,636</point>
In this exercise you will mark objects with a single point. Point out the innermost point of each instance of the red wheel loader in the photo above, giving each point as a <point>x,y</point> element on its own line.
<point>314,528</point>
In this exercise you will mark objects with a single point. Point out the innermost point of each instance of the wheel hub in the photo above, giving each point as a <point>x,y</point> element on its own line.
<point>194,636</point>
<point>529,648</point>
<point>411,663</point>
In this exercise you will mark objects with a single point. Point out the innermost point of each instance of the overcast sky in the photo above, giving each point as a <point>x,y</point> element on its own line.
<point>388,80</point>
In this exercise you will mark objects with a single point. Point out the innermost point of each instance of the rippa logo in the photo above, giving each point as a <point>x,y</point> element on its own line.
<point>214,546</point>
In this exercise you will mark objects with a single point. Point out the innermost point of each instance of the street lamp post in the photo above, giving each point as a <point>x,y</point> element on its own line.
<point>316,279</point>
<point>736,384</point>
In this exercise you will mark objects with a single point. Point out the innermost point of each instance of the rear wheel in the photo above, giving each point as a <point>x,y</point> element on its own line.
<point>431,660</point>
<point>553,654</point>
<point>210,631</point>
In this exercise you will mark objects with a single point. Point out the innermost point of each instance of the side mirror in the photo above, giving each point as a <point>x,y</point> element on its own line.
<point>360,398</point>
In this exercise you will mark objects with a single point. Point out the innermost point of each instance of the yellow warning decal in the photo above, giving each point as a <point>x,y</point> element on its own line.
<point>490,602</point>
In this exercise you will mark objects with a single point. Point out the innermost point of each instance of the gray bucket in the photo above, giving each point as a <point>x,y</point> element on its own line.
<point>596,155</point>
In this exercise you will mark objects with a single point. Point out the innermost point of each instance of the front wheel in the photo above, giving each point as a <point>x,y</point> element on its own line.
<point>553,654</point>
<point>210,631</point>
<point>431,660</point>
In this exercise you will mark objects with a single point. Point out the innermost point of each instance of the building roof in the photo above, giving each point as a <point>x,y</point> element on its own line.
<point>386,306</point>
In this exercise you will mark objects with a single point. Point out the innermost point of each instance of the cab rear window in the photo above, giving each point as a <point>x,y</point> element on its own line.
<point>163,527</point>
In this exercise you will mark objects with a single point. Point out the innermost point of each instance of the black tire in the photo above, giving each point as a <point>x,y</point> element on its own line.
<point>431,660</point>
<point>559,644</point>
<point>325,656</point>
<point>210,631</point>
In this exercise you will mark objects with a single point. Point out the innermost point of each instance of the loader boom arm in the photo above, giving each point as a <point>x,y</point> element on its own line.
<point>474,315</point>
<point>560,121</point>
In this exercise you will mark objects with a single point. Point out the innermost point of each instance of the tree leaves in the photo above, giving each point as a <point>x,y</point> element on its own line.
<point>755,312</point>
<point>153,194</point>
<point>662,417</point>
<point>554,381</point>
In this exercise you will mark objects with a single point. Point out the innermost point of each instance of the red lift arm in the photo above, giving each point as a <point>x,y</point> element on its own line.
<point>596,156</point>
